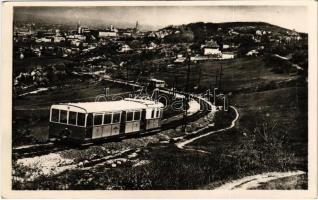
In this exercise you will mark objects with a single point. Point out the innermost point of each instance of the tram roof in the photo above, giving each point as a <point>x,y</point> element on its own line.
<point>148,103</point>
<point>157,80</point>
<point>107,106</point>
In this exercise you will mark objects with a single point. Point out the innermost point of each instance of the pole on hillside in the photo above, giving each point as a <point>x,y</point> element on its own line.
<point>127,72</point>
<point>199,79</point>
<point>186,99</point>
<point>106,93</point>
<point>216,78</point>
<point>221,73</point>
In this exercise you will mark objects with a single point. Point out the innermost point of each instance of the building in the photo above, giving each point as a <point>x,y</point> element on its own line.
<point>44,39</point>
<point>107,33</point>
<point>211,48</point>
<point>259,32</point>
<point>76,42</point>
<point>226,46</point>
<point>253,52</point>
<point>58,39</point>
<point>228,55</point>
<point>125,48</point>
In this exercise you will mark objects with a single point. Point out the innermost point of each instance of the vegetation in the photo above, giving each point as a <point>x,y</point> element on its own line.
<point>268,91</point>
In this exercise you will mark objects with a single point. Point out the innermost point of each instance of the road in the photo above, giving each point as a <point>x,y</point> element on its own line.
<point>250,182</point>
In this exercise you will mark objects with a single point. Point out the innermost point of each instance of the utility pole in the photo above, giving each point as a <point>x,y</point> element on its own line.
<point>188,73</point>
<point>210,88</point>
<point>225,103</point>
<point>106,93</point>
<point>127,71</point>
<point>221,73</point>
<point>199,79</point>
<point>208,94</point>
<point>175,85</point>
<point>214,96</point>
<point>216,78</point>
<point>186,99</point>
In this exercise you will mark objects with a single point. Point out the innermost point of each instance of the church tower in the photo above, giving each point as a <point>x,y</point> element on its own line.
<point>136,27</point>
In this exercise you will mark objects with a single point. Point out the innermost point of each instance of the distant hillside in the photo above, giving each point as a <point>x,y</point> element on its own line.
<point>200,30</point>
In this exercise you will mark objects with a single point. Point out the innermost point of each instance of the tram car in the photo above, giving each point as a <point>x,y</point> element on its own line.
<point>156,83</point>
<point>98,120</point>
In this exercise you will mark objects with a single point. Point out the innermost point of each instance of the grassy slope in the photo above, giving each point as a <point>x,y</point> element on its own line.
<point>241,73</point>
<point>31,113</point>
<point>289,183</point>
<point>238,74</point>
<point>29,63</point>
<point>285,107</point>
<point>233,155</point>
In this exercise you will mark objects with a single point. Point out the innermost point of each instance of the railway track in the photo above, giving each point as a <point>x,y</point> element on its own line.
<point>46,148</point>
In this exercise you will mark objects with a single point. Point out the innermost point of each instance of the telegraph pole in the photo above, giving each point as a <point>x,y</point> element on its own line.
<point>199,79</point>
<point>225,103</point>
<point>127,72</point>
<point>186,99</point>
<point>216,78</point>
<point>188,73</point>
<point>221,73</point>
<point>106,93</point>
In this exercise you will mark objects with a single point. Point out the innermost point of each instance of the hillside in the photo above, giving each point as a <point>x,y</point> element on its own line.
<point>198,31</point>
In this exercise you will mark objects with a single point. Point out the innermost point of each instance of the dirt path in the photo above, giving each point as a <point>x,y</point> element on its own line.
<point>250,182</point>
<point>182,144</point>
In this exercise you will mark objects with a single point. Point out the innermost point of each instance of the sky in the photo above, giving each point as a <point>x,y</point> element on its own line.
<point>154,17</point>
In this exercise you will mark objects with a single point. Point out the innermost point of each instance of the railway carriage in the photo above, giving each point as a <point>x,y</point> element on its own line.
<point>156,83</point>
<point>97,120</point>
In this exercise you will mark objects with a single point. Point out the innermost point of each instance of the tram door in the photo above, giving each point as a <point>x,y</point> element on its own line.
<point>143,123</point>
<point>123,123</point>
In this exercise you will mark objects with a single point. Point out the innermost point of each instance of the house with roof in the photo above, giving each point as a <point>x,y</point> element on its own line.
<point>211,48</point>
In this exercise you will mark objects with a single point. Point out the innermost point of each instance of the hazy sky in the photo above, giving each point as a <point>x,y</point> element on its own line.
<point>292,17</point>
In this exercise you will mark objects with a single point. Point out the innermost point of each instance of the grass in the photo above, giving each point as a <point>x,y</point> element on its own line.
<point>29,63</point>
<point>31,113</point>
<point>238,74</point>
<point>288,183</point>
<point>270,135</point>
<point>79,92</point>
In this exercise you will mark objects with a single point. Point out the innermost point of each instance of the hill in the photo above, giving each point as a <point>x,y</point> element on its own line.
<point>198,31</point>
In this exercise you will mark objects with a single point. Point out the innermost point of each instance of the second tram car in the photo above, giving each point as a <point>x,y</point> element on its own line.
<point>156,83</point>
<point>97,120</point>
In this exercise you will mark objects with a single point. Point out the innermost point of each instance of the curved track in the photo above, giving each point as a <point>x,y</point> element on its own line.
<point>181,145</point>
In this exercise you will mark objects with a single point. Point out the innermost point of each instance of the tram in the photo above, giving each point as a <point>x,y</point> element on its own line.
<point>98,120</point>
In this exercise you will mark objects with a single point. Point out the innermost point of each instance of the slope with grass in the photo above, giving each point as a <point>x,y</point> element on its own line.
<point>269,136</point>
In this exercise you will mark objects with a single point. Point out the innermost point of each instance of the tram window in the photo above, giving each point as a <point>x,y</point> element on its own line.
<point>63,116</point>
<point>107,118</point>
<point>89,120</point>
<point>116,117</point>
<point>72,118</point>
<point>129,116</point>
<point>80,119</point>
<point>137,115</point>
<point>153,114</point>
<point>55,115</point>
<point>98,119</point>
<point>158,112</point>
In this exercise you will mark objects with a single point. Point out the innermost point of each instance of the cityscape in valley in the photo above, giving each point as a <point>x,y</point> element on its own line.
<point>201,105</point>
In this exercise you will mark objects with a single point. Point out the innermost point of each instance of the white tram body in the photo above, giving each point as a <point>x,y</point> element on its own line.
<point>156,83</point>
<point>95,120</point>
